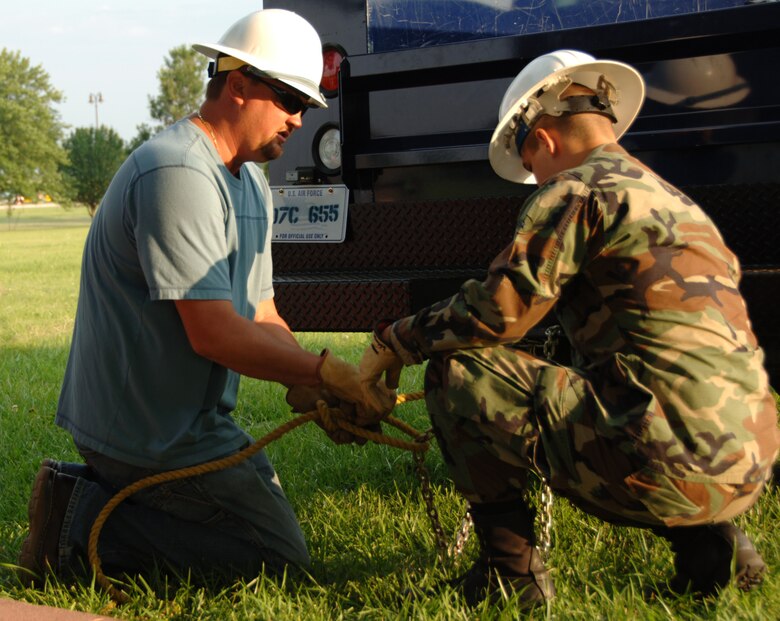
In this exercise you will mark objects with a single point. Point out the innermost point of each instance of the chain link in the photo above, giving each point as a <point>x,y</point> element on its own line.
<point>455,549</point>
<point>552,334</point>
<point>427,493</point>
<point>545,504</point>
<point>461,537</point>
<point>545,520</point>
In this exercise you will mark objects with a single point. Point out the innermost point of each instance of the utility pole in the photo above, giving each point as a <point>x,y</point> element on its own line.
<point>96,98</point>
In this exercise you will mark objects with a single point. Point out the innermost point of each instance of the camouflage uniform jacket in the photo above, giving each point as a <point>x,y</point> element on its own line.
<point>647,293</point>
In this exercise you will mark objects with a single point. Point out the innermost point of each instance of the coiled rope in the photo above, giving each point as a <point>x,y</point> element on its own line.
<point>331,419</point>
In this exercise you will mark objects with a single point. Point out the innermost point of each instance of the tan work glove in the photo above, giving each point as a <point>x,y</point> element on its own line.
<point>343,380</point>
<point>303,400</point>
<point>378,359</point>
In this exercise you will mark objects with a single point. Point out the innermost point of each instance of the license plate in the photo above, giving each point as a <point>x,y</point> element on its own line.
<point>310,213</point>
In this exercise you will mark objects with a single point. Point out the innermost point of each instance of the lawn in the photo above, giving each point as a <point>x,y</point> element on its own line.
<point>361,508</point>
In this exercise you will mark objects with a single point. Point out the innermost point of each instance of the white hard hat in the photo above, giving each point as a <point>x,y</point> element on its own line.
<point>701,82</point>
<point>280,44</point>
<point>536,91</point>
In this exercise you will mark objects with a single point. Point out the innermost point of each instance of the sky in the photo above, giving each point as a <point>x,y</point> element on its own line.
<point>110,47</point>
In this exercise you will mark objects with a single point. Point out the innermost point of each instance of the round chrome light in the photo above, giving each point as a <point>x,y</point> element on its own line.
<point>326,149</point>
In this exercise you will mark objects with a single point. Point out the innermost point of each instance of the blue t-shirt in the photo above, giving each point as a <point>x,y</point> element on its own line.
<point>175,224</point>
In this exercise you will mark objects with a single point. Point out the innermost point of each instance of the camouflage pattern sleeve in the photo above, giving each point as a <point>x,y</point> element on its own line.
<point>523,284</point>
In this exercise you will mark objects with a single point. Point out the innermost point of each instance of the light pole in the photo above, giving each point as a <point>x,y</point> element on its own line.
<point>96,98</point>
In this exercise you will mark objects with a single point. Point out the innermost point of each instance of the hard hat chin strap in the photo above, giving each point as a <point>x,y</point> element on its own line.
<point>589,103</point>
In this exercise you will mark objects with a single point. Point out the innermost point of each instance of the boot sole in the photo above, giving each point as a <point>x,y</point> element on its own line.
<point>752,575</point>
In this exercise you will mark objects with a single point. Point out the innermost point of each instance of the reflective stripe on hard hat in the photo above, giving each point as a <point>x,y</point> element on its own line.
<point>227,63</point>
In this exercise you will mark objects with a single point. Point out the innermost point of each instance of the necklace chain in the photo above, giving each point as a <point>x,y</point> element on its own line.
<point>210,128</point>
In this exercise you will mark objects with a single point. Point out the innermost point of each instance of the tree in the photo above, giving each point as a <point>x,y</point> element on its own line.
<point>95,155</point>
<point>30,130</point>
<point>181,86</point>
<point>143,132</point>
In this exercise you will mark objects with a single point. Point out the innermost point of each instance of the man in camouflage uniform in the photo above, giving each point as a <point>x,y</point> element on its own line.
<point>664,420</point>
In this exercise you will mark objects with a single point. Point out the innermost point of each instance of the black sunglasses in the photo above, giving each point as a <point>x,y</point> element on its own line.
<point>292,103</point>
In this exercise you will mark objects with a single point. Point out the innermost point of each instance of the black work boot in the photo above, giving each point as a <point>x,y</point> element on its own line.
<point>703,557</point>
<point>509,561</point>
<point>46,510</point>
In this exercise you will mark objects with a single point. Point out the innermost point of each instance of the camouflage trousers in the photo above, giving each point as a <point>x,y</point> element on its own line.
<point>494,424</point>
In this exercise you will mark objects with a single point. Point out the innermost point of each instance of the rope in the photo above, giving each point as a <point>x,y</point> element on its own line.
<point>331,420</point>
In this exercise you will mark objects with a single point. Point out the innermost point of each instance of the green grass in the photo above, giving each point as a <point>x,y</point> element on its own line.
<point>42,216</point>
<point>360,507</point>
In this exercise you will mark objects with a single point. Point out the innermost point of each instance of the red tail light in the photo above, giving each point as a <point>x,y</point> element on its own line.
<point>332,55</point>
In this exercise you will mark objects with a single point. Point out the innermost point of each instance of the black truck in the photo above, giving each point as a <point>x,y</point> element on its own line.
<point>414,88</point>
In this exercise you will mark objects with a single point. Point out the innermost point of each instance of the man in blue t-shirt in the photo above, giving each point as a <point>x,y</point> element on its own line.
<point>175,303</point>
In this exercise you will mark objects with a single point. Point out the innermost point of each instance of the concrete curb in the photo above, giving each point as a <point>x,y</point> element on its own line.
<point>12,610</point>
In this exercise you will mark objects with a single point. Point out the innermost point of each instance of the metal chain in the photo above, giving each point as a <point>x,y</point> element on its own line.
<point>455,549</point>
<point>545,519</point>
<point>552,334</point>
<point>461,536</point>
<point>545,513</point>
<point>427,493</point>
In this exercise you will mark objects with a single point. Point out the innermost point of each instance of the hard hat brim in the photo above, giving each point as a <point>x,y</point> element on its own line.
<point>630,91</point>
<point>308,88</point>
